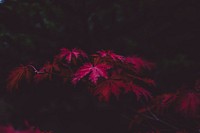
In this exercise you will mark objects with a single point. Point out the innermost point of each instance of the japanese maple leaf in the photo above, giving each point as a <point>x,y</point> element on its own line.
<point>138,91</point>
<point>69,55</point>
<point>139,63</point>
<point>46,71</point>
<point>189,103</point>
<point>111,54</point>
<point>108,87</point>
<point>94,72</point>
<point>145,80</point>
<point>17,75</point>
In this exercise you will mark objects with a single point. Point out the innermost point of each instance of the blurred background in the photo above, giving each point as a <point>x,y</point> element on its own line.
<point>165,32</point>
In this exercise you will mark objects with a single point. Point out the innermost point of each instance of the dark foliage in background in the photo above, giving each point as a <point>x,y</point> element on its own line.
<point>165,32</point>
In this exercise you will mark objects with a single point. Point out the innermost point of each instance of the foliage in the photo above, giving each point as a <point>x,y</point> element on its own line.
<point>107,71</point>
<point>107,74</point>
<point>17,75</point>
<point>162,31</point>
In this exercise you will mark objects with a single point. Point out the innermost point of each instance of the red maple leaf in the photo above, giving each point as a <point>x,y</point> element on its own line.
<point>145,80</point>
<point>94,72</point>
<point>115,83</point>
<point>111,54</point>
<point>70,55</point>
<point>138,91</point>
<point>111,86</point>
<point>139,63</point>
<point>17,75</point>
<point>189,103</point>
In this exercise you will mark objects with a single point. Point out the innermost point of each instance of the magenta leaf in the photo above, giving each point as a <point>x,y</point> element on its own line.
<point>69,55</point>
<point>138,91</point>
<point>94,72</point>
<point>107,88</point>
<point>139,63</point>
<point>17,75</point>
<point>111,54</point>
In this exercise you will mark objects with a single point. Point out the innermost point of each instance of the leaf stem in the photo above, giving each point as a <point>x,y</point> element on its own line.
<point>35,70</point>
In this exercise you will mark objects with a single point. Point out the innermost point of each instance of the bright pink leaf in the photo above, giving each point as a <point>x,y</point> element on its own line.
<point>74,53</point>
<point>111,54</point>
<point>94,72</point>
<point>139,63</point>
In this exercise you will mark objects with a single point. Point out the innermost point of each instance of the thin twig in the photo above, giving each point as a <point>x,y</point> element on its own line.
<point>160,120</point>
<point>35,70</point>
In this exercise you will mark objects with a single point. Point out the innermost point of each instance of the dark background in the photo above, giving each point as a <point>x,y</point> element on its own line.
<point>165,32</point>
